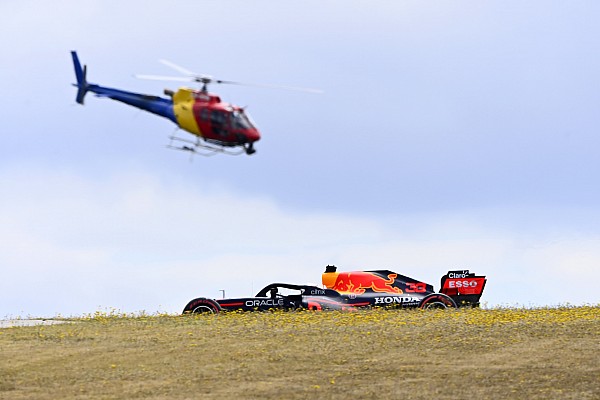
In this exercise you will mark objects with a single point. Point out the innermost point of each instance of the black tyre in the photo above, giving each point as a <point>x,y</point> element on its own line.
<point>202,305</point>
<point>437,301</point>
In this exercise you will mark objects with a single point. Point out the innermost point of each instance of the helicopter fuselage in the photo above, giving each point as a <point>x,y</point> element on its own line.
<point>205,115</point>
<point>198,112</point>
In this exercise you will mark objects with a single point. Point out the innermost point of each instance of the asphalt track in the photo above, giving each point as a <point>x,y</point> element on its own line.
<point>10,323</point>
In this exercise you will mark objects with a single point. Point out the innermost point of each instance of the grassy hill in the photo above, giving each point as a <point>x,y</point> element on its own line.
<point>375,354</point>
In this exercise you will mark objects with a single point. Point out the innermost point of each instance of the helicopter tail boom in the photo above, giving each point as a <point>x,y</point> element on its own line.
<point>80,74</point>
<point>153,104</point>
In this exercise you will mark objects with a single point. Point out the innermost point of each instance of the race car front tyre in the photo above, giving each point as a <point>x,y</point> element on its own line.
<point>202,305</point>
<point>437,300</point>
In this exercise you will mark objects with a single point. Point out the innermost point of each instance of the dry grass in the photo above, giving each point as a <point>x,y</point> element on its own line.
<point>378,354</point>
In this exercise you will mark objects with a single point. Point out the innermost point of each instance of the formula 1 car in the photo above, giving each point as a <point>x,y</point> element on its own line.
<point>350,290</point>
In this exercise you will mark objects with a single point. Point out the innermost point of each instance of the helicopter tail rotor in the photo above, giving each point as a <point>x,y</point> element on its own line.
<point>80,74</point>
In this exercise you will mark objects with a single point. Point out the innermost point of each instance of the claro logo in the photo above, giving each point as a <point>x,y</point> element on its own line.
<point>458,274</point>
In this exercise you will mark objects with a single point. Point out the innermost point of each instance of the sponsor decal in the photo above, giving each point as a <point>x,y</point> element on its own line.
<point>261,303</point>
<point>458,274</point>
<point>320,292</point>
<point>395,300</point>
<point>465,286</point>
<point>459,284</point>
<point>358,282</point>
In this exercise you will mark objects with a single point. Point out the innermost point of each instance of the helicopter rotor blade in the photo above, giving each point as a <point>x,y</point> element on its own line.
<point>269,86</point>
<point>178,68</point>
<point>191,76</point>
<point>163,78</point>
<point>206,79</point>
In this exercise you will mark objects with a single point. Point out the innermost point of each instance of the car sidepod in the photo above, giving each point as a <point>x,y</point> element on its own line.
<point>257,304</point>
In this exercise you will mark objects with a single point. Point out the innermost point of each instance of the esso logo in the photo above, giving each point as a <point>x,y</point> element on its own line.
<point>462,284</point>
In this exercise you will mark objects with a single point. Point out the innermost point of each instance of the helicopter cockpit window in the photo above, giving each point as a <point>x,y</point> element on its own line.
<point>239,120</point>
<point>219,117</point>
<point>219,121</point>
<point>204,114</point>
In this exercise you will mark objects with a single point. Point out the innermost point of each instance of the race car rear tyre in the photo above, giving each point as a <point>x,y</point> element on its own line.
<point>202,305</point>
<point>437,300</point>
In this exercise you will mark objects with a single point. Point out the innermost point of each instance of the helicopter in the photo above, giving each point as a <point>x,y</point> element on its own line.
<point>219,127</point>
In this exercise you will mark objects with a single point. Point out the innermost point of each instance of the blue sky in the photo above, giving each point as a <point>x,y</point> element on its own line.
<point>449,135</point>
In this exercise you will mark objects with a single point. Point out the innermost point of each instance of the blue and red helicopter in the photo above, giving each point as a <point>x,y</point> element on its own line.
<point>219,127</point>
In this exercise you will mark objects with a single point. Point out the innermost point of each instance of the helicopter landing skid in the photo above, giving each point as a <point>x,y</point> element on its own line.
<point>201,148</point>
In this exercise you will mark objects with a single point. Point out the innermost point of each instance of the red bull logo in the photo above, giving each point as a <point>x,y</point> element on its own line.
<point>357,282</point>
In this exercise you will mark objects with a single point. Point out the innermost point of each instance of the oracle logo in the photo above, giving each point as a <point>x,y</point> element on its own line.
<point>261,303</point>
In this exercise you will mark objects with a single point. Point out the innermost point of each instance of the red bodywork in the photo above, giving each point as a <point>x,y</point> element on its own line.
<point>221,122</point>
<point>463,286</point>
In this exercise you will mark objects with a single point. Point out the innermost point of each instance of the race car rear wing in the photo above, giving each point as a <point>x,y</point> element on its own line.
<point>464,287</point>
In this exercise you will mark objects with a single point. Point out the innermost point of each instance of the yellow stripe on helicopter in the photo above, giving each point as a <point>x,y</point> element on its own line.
<point>183,106</point>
